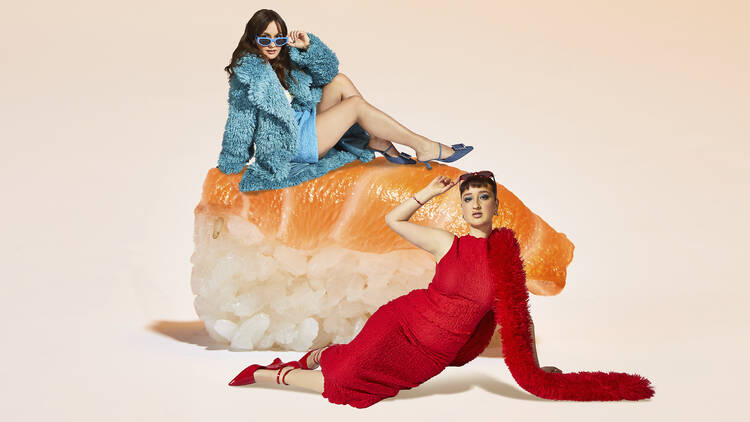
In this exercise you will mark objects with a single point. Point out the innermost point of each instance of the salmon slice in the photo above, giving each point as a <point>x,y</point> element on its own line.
<point>347,208</point>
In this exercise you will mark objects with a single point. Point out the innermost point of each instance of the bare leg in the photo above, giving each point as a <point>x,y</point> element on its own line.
<point>303,378</point>
<point>340,88</point>
<point>342,106</point>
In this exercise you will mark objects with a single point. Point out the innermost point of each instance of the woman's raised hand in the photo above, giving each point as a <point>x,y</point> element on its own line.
<point>440,185</point>
<point>299,39</point>
<point>551,369</point>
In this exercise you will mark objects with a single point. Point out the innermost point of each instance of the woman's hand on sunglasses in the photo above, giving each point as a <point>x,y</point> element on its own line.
<point>299,39</point>
<point>440,185</point>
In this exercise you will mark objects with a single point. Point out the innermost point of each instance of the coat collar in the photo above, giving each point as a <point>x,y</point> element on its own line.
<point>265,92</point>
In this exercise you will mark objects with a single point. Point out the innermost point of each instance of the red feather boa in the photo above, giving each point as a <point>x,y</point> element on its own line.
<point>512,313</point>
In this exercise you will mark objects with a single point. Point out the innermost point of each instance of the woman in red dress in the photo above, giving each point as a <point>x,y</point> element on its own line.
<point>414,337</point>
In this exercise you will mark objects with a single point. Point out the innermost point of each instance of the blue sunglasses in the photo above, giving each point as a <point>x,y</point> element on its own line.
<point>266,41</point>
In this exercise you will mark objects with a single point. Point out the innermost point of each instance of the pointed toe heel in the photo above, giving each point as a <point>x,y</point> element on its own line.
<point>459,150</point>
<point>247,376</point>
<point>426,163</point>
<point>403,158</point>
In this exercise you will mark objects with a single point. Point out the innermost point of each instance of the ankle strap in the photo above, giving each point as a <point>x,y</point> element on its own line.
<point>285,374</point>
<point>278,374</point>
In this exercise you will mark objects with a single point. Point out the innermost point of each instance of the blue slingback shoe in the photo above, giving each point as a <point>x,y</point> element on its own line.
<point>459,150</point>
<point>403,158</point>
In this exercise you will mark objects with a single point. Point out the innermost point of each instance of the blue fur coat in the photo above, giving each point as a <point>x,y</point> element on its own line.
<point>261,121</point>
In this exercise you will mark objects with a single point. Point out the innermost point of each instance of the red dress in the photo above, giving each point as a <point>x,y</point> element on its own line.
<point>414,337</point>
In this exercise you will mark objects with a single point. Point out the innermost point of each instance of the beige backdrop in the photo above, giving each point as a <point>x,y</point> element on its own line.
<point>623,124</point>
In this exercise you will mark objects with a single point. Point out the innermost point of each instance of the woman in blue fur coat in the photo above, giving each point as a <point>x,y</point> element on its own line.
<point>300,118</point>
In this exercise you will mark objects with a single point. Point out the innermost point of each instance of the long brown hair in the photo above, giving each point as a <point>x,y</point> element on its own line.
<point>254,27</point>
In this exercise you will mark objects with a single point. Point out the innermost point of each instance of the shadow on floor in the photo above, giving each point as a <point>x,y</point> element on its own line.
<point>194,332</point>
<point>455,383</point>
<point>443,384</point>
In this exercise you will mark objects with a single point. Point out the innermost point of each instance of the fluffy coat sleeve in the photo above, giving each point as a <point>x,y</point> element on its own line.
<point>237,146</point>
<point>319,61</point>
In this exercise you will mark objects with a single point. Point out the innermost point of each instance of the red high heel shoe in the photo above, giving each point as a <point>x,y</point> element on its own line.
<point>247,376</point>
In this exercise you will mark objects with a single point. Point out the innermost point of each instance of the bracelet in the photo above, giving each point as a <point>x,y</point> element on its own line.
<point>415,198</point>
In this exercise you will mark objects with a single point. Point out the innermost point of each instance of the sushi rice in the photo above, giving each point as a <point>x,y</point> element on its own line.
<point>255,293</point>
